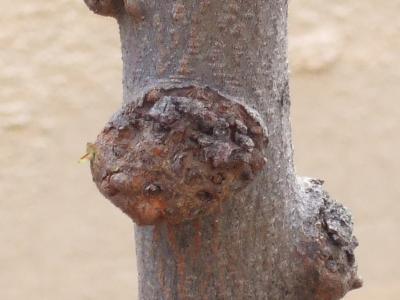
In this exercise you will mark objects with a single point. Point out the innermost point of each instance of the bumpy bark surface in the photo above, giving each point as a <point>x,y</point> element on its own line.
<point>281,237</point>
<point>177,155</point>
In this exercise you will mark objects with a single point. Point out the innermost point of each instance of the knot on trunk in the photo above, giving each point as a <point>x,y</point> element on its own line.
<point>108,8</point>
<point>178,154</point>
<point>111,8</point>
<point>327,245</point>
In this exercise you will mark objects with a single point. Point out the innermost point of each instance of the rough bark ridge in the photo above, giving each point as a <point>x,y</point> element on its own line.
<point>282,237</point>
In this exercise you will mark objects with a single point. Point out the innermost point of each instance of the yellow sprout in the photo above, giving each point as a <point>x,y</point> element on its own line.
<point>90,153</point>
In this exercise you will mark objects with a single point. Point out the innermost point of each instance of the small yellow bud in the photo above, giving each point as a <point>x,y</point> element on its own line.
<point>90,153</point>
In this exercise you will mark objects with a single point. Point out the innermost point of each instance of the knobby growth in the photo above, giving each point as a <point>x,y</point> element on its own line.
<point>178,154</point>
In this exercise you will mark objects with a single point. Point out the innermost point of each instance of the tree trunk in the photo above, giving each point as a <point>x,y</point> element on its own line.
<point>281,237</point>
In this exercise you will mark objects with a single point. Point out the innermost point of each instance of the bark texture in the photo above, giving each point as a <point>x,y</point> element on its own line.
<point>178,155</point>
<point>282,237</point>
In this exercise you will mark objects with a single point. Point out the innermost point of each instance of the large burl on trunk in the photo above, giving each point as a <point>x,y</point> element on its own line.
<point>200,157</point>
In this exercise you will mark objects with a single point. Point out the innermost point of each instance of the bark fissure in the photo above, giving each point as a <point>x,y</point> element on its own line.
<point>281,237</point>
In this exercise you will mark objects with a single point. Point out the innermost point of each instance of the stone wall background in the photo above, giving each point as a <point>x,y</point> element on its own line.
<point>60,79</point>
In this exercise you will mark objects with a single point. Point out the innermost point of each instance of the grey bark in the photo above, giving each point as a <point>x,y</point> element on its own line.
<point>280,238</point>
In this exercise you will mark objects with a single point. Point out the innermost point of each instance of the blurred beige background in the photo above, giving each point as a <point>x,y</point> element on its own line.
<point>60,79</point>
